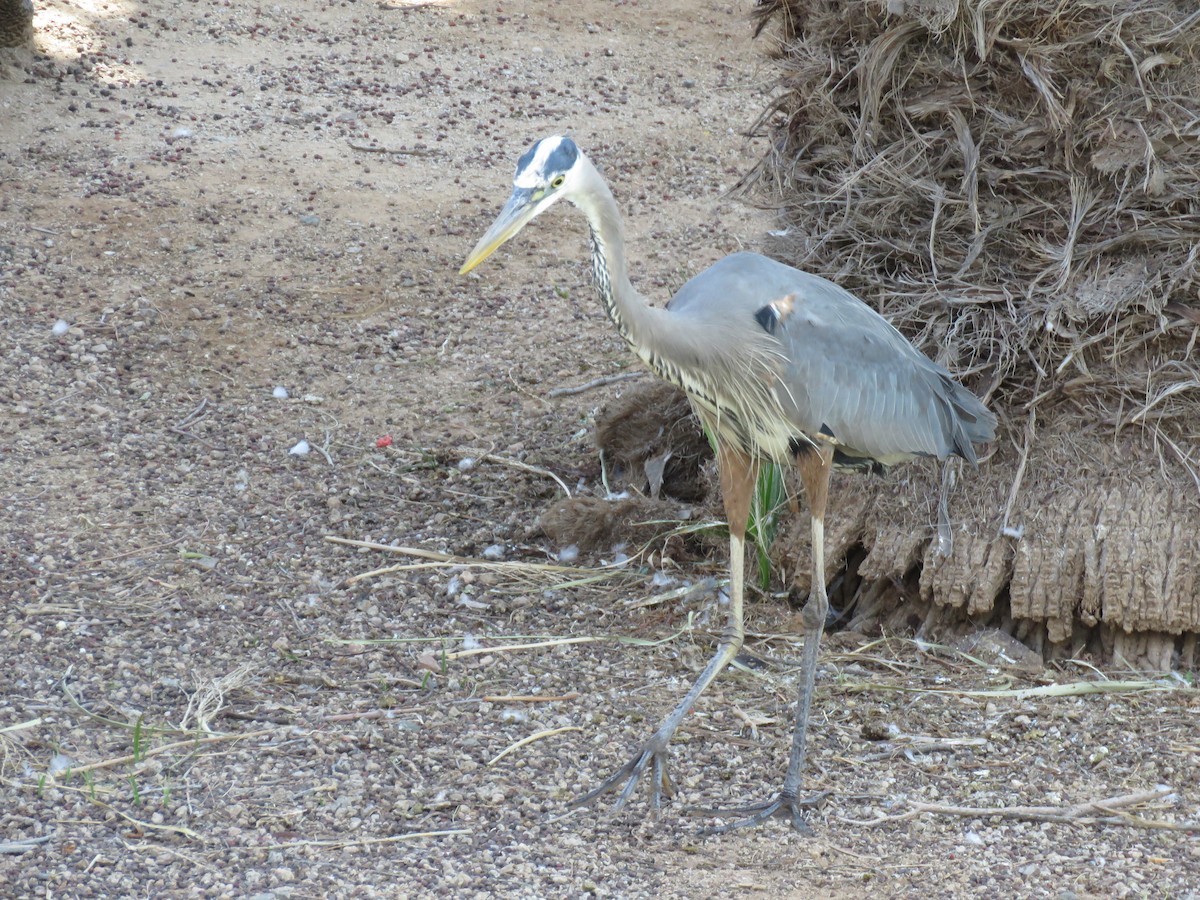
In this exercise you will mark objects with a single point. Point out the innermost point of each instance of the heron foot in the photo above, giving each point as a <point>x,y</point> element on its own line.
<point>650,757</point>
<point>785,805</point>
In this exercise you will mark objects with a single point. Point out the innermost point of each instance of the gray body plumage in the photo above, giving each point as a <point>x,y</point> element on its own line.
<point>844,374</point>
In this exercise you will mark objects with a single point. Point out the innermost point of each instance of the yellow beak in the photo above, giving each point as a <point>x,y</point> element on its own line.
<point>522,206</point>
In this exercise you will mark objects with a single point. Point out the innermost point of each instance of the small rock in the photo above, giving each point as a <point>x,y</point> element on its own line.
<point>280,392</point>
<point>61,327</point>
<point>301,449</point>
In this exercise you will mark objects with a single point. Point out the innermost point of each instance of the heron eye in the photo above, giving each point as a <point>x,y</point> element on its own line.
<point>558,181</point>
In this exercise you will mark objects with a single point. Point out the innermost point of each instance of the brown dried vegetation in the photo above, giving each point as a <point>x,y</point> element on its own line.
<point>1017,187</point>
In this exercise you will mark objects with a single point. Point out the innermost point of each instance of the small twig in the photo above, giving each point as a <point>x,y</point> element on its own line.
<point>549,732</point>
<point>1015,489</point>
<point>324,451</point>
<point>594,383</point>
<point>23,845</point>
<point>879,820</point>
<point>1076,812</point>
<point>419,552</point>
<point>584,575</point>
<point>150,826</point>
<point>159,848</point>
<point>21,726</point>
<point>517,464</point>
<point>195,415</point>
<point>357,717</point>
<point>366,842</point>
<point>175,745</point>
<point>364,148</point>
<point>94,563</point>
<point>183,432</point>
<point>907,745</point>
<point>529,698</point>
<point>1073,689</point>
<point>1080,813</point>
<point>76,703</point>
<point>558,642</point>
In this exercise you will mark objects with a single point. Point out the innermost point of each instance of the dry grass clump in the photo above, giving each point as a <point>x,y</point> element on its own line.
<point>1016,183</point>
<point>652,443</point>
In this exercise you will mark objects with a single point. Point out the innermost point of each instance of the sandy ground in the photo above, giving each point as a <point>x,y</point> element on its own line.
<point>201,204</point>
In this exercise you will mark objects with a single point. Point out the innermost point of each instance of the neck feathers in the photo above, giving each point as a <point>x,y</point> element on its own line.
<point>626,308</point>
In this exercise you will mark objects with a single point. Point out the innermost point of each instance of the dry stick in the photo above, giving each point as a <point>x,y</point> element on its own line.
<point>363,148</point>
<point>23,845</point>
<point>150,826</point>
<point>194,418</point>
<point>356,717</point>
<point>160,847</point>
<point>93,563</point>
<point>324,451</point>
<point>1083,813</point>
<point>366,842</point>
<point>549,732</point>
<point>1030,427</point>
<point>529,698</point>
<point>438,556</point>
<point>909,745</point>
<point>592,574</point>
<point>115,723</point>
<point>195,415</point>
<point>594,383</point>
<point>517,464</point>
<point>175,745</point>
<point>475,651</point>
<point>406,551</point>
<point>1072,689</point>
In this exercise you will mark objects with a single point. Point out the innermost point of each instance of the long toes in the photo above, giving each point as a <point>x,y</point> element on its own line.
<point>784,806</point>
<point>626,772</point>
<point>630,775</point>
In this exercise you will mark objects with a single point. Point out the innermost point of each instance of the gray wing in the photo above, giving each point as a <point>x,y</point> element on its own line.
<point>847,373</point>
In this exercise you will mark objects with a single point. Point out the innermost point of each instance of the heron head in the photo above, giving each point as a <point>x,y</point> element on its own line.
<point>545,174</point>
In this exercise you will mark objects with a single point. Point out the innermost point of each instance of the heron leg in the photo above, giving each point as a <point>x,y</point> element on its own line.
<point>738,475</point>
<point>815,469</point>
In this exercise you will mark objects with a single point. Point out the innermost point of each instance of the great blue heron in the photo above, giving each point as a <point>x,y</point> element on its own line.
<point>780,365</point>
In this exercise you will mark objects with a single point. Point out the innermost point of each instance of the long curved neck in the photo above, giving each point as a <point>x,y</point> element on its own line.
<point>729,388</point>
<point>634,317</point>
